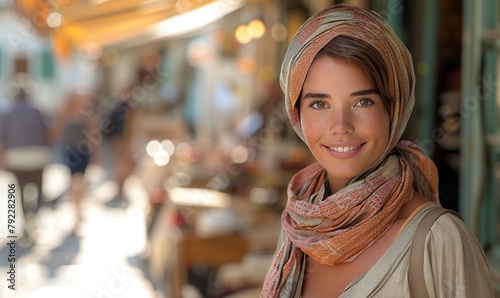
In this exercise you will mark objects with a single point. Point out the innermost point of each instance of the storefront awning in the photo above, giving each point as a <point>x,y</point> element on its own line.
<point>103,23</point>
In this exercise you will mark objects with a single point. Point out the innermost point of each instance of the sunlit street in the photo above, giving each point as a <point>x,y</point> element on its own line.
<point>97,258</point>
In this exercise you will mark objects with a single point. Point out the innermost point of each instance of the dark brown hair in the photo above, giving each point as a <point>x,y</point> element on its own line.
<point>365,55</point>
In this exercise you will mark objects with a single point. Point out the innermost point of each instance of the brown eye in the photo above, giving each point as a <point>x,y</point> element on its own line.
<point>364,102</point>
<point>318,105</point>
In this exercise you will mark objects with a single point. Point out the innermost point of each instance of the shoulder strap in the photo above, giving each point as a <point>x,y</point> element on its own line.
<point>416,265</point>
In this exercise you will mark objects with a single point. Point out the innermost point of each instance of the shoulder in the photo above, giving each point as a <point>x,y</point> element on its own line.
<point>450,227</point>
<point>450,231</point>
<point>455,258</point>
<point>450,238</point>
<point>27,108</point>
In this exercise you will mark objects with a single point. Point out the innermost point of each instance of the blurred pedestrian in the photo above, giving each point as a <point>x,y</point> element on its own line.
<point>122,126</point>
<point>75,123</point>
<point>25,151</point>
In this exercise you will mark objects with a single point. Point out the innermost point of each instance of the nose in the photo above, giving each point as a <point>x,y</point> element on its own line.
<point>342,122</point>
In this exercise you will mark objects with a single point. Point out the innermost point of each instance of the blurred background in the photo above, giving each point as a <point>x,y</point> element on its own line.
<point>159,163</point>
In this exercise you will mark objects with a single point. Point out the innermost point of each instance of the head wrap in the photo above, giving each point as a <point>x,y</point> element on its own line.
<point>333,229</point>
<point>359,23</point>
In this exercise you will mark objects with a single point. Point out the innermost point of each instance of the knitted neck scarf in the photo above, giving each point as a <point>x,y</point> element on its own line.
<point>333,229</point>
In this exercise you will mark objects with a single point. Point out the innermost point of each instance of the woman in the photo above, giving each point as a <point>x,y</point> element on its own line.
<point>349,87</point>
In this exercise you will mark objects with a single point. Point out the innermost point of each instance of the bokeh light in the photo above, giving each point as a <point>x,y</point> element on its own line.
<point>54,20</point>
<point>246,65</point>
<point>239,154</point>
<point>168,146</point>
<point>279,32</point>
<point>256,28</point>
<point>242,34</point>
<point>161,158</point>
<point>152,147</point>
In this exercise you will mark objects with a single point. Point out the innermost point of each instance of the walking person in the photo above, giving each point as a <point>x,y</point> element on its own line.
<point>122,131</point>
<point>75,122</point>
<point>25,151</point>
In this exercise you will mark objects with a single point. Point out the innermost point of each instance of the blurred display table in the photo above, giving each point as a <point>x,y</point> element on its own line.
<point>211,251</point>
<point>186,247</point>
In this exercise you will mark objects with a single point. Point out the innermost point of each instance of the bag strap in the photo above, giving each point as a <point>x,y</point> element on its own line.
<point>416,266</point>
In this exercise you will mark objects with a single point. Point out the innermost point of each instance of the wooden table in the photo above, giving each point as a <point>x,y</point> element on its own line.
<point>188,249</point>
<point>211,251</point>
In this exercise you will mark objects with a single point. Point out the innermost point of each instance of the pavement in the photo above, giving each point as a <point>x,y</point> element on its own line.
<point>97,258</point>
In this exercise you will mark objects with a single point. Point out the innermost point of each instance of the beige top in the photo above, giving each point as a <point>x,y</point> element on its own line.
<point>455,264</point>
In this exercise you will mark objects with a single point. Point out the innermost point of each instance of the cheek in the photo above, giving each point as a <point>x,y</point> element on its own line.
<point>385,127</point>
<point>314,130</point>
<point>309,127</point>
<point>376,124</point>
<point>387,121</point>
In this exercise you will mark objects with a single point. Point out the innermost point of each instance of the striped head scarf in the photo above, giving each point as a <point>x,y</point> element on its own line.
<point>336,228</point>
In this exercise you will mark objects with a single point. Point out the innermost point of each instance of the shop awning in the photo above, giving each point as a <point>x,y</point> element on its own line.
<point>102,23</point>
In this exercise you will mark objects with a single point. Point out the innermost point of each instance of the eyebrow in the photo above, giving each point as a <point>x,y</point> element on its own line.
<point>355,93</point>
<point>364,92</point>
<point>315,95</point>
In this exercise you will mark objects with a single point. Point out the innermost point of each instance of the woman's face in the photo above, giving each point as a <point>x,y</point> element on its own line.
<point>343,118</point>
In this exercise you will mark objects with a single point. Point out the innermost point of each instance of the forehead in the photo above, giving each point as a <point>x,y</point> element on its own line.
<point>327,71</point>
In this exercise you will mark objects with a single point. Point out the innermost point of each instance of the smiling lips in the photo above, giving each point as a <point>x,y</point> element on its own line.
<point>344,149</point>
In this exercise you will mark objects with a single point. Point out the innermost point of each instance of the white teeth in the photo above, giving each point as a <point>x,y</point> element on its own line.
<point>343,149</point>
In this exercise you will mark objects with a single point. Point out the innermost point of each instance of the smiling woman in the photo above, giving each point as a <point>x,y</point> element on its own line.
<point>339,96</point>
<point>350,218</point>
